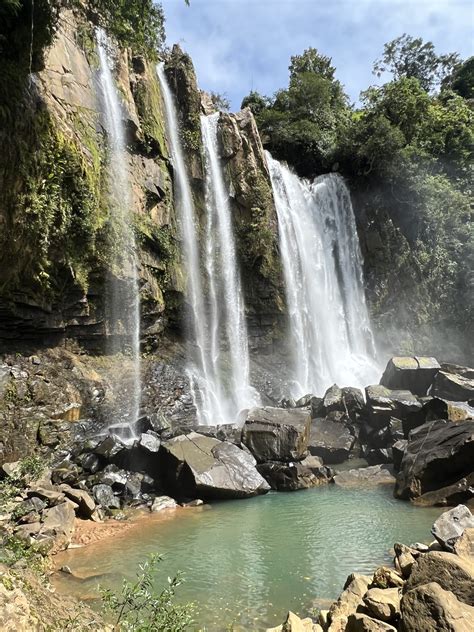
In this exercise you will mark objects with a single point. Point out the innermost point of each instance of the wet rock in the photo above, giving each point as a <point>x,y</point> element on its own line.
<point>414,374</point>
<point>436,454</point>
<point>150,442</point>
<point>383,404</point>
<point>332,441</point>
<point>362,623</point>
<point>432,609</point>
<point>398,450</point>
<point>457,369</point>
<point>365,476</point>
<point>105,497</point>
<point>291,476</point>
<point>333,400</point>
<point>277,434</point>
<point>450,526</point>
<point>383,604</point>
<point>89,462</point>
<point>197,466</point>
<point>163,502</point>
<point>110,447</point>
<point>224,432</point>
<point>114,476</point>
<point>377,456</point>
<point>133,485</point>
<point>456,388</point>
<point>450,571</point>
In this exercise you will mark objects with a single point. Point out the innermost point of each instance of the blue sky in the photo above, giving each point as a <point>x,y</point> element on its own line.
<point>239,45</point>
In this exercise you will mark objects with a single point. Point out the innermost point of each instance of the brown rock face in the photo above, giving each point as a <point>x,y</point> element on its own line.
<point>450,571</point>
<point>431,609</point>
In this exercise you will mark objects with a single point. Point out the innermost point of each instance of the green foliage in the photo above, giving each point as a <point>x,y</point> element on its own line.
<point>140,608</point>
<point>14,550</point>
<point>220,102</point>
<point>462,80</point>
<point>256,102</point>
<point>410,57</point>
<point>303,124</point>
<point>29,469</point>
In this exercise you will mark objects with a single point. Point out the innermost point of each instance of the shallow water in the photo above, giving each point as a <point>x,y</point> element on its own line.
<point>247,562</point>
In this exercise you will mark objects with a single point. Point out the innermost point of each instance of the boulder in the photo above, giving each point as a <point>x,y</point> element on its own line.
<point>404,559</point>
<point>457,492</point>
<point>58,523</point>
<point>437,454</point>
<point>398,450</point>
<point>414,374</point>
<point>332,441</point>
<point>362,623</point>
<point>293,476</point>
<point>450,571</point>
<point>457,369</point>
<point>83,500</point>
<point>383,604</point>
<point>197,466</point>
<point>351,597</point>
<point>51,495</point>
<point>385,577</point>
<point>464,545</point>
<point>383,404</point>
<point>150,442</point>
<point>104,496</point>
<point>277,434</point>
<point>450,526</point>
<point>163,502</point>
<point>110,447</point>
<point>378,456</point>
<point>456,388</point>
<point>293,623</point>
<point>365,476</point>
<point>430,608</point>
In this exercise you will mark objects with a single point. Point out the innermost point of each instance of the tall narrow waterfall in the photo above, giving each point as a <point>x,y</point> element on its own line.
<point>226,318</point>
<point>331,337</point>
<point>218,364</point>
<point>123,297</point>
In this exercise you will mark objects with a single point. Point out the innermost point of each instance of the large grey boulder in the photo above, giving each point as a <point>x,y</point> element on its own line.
<point>277,434</point>
<point>430,608</point>
<point>330,440</point>
<point>414,374</point>
<point>450,526</point>
<point>105,497</point>
<point>437,454</point>
<point>456,388</point>
<point>384,404</point>
<point>197,466</point>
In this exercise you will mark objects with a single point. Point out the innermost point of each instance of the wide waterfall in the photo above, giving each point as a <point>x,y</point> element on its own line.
<point>330,333</point>
<point>218,364</point>
<point>123,303</point>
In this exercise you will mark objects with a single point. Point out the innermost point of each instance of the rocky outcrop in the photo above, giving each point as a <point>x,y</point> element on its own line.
<point>55,287</point>
<point>433,609</point>
<point>276,434</point>
<point>415,374</point>
<point>195,466</point>
<point>454,387</point>
<point>437,463</point>
<point>255,226</point>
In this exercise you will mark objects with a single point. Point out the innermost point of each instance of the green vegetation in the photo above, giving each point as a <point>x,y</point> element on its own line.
<point>139,608</point>
<point>407,151</point>
<point>29,469</point>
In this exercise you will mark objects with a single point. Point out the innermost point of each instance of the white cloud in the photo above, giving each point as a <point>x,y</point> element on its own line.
<point>237,45</point>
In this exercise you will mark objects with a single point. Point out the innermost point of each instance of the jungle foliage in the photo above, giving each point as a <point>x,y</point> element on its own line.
<point>407,149</point>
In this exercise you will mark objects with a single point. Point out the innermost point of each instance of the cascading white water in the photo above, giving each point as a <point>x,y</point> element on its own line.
<point>123,296</point>
<point>331,336</point>
<point>227,324</point>
<point>218,365</point>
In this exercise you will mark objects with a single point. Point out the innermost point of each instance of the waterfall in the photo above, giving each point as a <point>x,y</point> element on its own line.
<point>123,302</point>
<point>330,333</point>
<point>218,364</point>
<point>227,324</point>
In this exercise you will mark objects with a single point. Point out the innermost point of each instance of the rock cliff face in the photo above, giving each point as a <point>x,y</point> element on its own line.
<point>57,231</point>
<point>58,234</point>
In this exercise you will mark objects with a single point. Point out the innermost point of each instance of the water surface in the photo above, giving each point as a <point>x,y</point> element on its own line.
<point>248,562</point>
